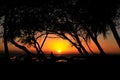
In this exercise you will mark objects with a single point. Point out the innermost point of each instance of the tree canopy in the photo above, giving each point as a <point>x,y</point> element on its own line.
<point>81,19</point>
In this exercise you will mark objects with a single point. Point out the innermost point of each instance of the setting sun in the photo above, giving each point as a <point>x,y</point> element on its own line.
<point>59,51</point>
<point>58,46</point>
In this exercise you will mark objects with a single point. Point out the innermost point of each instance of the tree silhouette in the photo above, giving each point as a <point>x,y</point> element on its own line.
<point>3,13</point>
<point>60,23</point>
<point>22,23</point>
<point>80,19</point>
<point>95,17</point>
<point>104,13</point>
<point>100,16</point>
<point>81,13</point>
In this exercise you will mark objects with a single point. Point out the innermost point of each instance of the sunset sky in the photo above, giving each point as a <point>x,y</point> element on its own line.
<point>60,46</point>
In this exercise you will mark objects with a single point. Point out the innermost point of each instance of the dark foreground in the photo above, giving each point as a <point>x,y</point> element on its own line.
<point>93,59</point>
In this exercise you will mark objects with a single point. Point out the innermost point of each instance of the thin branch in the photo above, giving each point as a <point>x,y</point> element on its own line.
<point>39,36</point>
<point>44,40</point>
<point>40,52</point>
<point>53,37</point>
<point>35,46</point>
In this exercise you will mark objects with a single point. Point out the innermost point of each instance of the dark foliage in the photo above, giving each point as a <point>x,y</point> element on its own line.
<point>78,18</point>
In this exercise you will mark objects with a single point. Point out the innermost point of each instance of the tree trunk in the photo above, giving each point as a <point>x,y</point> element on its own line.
<point>79,49</point>
<point>6,44</point>
<point>115,34</point>
<point>5,41</point>
<point>95,41</point>
<point>39,51</point>
<point>80,44</point>
<point>39,56</point>
<point>98,45</point>
<point>22,47</point>
<point>88,47</point>
<point>85,52</point>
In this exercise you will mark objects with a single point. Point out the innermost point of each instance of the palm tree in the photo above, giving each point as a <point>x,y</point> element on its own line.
<point>95,17</point>
<point>82,15</point>
<point>102,14</point>
<point>115,33</point>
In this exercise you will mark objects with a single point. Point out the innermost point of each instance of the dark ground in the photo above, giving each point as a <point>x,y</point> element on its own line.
<point>92,59</point>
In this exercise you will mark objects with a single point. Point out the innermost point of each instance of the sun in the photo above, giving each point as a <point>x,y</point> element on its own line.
<point>59,46</point>
<point>59,51</point>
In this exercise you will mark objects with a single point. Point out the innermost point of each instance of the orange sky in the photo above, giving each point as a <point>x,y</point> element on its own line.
<point>60,46</point>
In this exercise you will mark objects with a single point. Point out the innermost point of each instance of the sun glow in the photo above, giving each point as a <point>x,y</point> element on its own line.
<point>58,46</point>
<point>59,51</point>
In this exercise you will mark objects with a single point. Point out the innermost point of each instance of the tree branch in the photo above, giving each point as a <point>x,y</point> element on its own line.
<point>44,40</point>
<point>79,50</point>
<point>22,47</point>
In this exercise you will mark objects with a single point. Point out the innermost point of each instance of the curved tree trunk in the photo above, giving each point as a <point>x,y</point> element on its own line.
<point>41,54</point>
<point>88,46</point>
<point>80,44</point>
<point>39,48</point>
<point>22,47</point>
<point>96,42</point>
<point>115,34</point>
<point>98,45</point>
<point>79,49</point>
